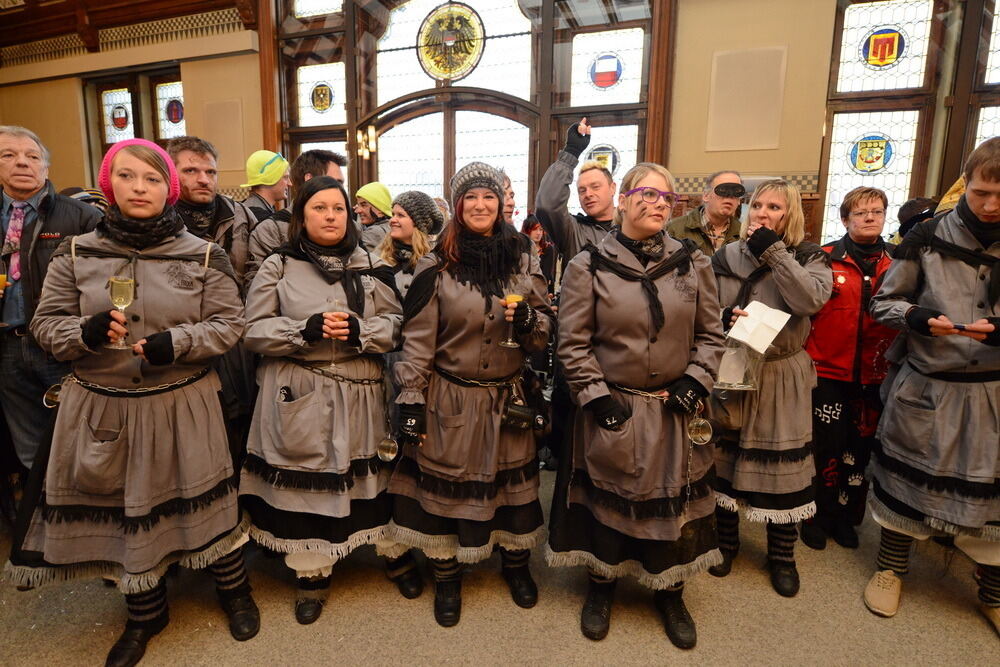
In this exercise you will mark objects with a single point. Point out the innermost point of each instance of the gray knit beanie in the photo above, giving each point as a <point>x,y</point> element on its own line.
<point>426,216</point>
<point>476,175</point>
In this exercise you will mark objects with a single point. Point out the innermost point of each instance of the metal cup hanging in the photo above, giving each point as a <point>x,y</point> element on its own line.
<point>388,449</point>
<point>698,428</point>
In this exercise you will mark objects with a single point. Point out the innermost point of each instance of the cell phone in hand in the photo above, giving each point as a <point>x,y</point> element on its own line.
<point>960,327</point>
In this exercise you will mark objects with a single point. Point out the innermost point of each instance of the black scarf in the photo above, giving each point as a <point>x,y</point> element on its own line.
<point>331,262</point>
<point>487,262</point>
<point>402,254</point>
<point>987,233</point>
<point>645,250</point>
<point>866,255</point>
<point>679,260</point>
<point>140,233</point>
<point>198,218</point>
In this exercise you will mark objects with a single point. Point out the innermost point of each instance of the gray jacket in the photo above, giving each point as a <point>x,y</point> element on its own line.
<point>568,232</point>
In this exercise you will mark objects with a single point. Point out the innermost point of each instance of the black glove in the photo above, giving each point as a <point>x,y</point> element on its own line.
<point>993,338</point>
<point>576,143</point>
<point>159,348</point>
<point>609,413</point>
<point>412,422</point>
<point>524,317</point>
<point>685,392</point>
<point>95,330</point>
<point>762,239</point>
<point>353,331</point>
<point>727,317</point>
<point>916,319</point>
<point>314,328</point>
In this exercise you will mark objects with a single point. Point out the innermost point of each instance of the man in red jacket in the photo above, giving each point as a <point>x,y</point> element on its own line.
<point>848,348</point>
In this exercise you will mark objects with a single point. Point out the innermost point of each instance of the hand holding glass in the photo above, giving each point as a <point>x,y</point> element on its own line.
<point>329,319</point>
<point>511,299</point>
<point>122,291</point>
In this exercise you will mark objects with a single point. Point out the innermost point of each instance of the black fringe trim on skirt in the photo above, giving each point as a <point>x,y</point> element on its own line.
<point>312,481</point>
<point>764,455</point>
<point>654,508</point>
<point>470,489</point>
<point>133,524</point>
<point>937,483</point>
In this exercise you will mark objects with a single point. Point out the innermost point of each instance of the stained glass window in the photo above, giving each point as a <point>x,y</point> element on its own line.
<point>497,141</point>
<point>884,45</point>
<point>993,60</point>
<point>873,149</point>
<point>989,124</point>
<point>170,110</point>
<point>322,94</point>
<point>411,156</point>
<point>485,44</point>
<point>607,67</point>
<point>119,120</point>
<point>586,13</point>
<point>615,146</point>
<point>306,8</point>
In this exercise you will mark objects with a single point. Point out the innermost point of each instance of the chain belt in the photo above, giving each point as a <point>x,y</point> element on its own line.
<point>468,382</point>
<point>319,370</point>
<point>139,391</point>
<point>639,392</point>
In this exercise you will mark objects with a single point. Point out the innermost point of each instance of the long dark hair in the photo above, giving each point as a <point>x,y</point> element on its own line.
<point>314,185</point>
<point>529,225</point>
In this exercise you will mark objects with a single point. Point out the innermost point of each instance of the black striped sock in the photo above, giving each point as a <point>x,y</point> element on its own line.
<point>598,579</point>
<point>446,570</point>
<point>728,525</point>
<point>894,551</point>
<point>147,608</point>
<point>230,574</point>
<point>510,560</point>
<point>781,542</point>
<point>395,568</point>
<point>989,585</point>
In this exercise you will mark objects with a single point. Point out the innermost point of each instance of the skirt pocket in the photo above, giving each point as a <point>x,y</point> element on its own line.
<point>610,452</point>
<point>302,434</point>
<point>100,460</point>
<point>448,445</point>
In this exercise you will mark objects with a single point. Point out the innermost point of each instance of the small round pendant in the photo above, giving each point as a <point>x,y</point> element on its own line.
<point>699,431</point>
<point>388,449</point>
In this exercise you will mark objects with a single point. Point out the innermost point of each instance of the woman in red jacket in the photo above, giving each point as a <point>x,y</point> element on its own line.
<point>848,348</point>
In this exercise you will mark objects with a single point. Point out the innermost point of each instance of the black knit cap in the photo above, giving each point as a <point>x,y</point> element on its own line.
<point>426,216</point>
<point>476,175</point>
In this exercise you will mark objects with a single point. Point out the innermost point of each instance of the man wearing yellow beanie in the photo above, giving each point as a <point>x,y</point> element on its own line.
<point>267,178</point>
<point>373,204</point>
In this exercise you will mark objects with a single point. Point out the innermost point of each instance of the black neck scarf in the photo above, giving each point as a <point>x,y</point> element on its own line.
<point>198,218</point>
<point>331,262</point>
<point>680,261</point>
<point>140,233</point>
<point>402,254</point>
<point>645,250</point>
<point>487,262</point>
<point>987,233</point>
<point>865,255</point>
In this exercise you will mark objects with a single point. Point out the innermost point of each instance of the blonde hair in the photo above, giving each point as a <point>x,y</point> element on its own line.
<point>795,220</point>
<point>591,165</point>
<point>420,243</point>
<point>636,174</point>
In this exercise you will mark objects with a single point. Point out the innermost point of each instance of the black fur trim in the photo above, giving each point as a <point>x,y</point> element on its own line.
<point>312,481</point>
<point>133,524</point>
<point>765,455</point>
<point>938,483</point>
<point>470,489</point>
<point>654,508</point>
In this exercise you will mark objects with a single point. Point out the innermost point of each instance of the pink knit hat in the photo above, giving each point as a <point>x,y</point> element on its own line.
<point>104,176</point>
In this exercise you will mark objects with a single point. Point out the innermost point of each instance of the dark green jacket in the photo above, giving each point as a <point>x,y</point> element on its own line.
<point>688,226</point>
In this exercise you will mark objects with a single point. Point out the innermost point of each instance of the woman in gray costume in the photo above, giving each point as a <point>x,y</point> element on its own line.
<point>467,481</point>
<point>321,311</point>
<point>640,339</point>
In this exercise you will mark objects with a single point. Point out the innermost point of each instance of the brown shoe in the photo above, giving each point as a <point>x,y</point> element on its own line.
<point>882,593</point>
<point>992,615</point>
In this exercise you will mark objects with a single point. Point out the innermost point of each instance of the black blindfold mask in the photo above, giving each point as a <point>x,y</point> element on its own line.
<point>730,190</point>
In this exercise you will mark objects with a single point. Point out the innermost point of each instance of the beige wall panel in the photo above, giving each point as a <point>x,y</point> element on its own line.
<point>804,28</point>
<point>54,110</point>
<point>222,98</point>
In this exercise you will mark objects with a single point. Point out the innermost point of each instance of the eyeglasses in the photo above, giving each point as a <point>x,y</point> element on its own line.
<point>277,156</point>
<point>861,215</point>
<point>652,195</point>
<point>730,190</point>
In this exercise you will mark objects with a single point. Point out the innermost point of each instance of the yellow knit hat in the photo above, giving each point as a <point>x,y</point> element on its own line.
<point>265,168</point>
<point>378,196</point>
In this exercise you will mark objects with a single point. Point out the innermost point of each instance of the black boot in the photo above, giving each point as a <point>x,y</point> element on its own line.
<point>726,566</point>
<point>595,619</point>
<point>676,619</point>
<point>406,575</point>
<point>131,645</point>
<point>522,587</point>
<point>845,535</point>
<point>784,577</point>
<point>448,602</point>
<point>311,597</point>
<point>813,535</point>
<point>244,617</point>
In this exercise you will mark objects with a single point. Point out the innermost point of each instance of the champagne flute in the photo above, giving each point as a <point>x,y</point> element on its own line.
<point>509,341</point>
<point>332,367</point>
<point>122,291</point>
